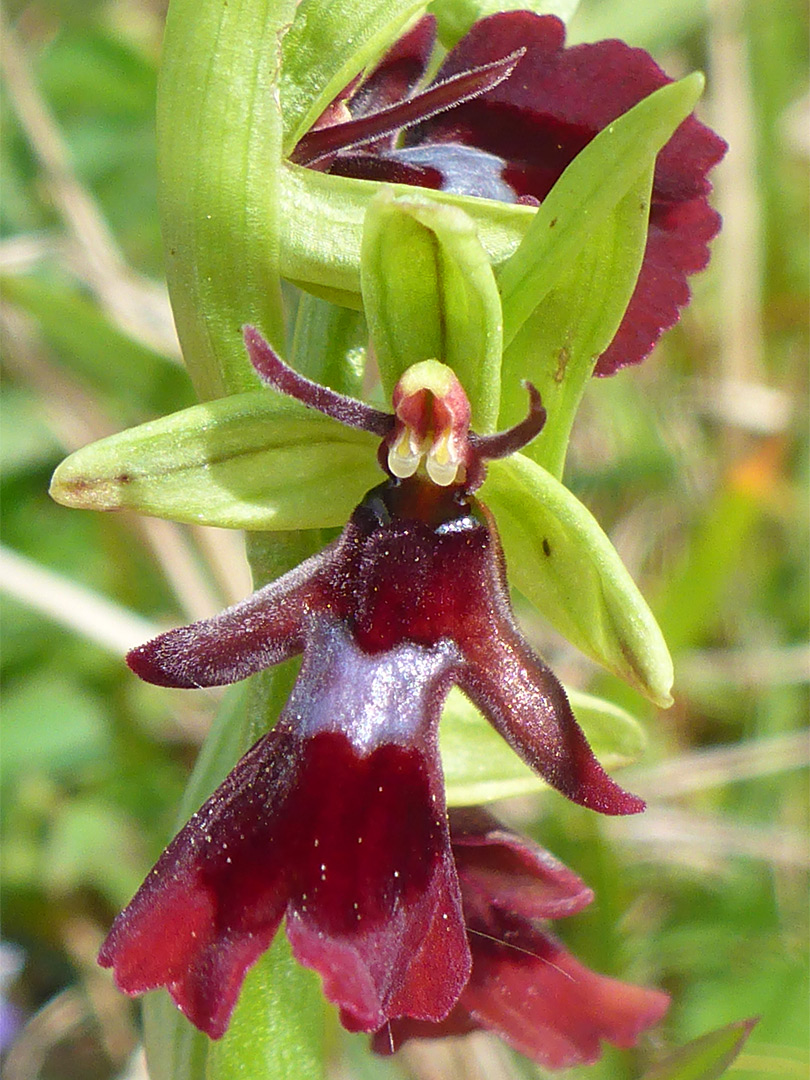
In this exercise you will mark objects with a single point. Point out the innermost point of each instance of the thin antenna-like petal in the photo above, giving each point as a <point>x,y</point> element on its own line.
<point>272,370</point>
<point>264,629</point>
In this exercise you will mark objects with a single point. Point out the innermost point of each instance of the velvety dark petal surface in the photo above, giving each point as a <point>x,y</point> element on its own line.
<point>264,629</point>
<point>497,868</point>
<point>524,985</point>
<point>216,896</point>
<point>677,245</point>
<point>524,701</point>
<point>337,819</point>
<point>526,988</point>
<point>554,103</point>
<point>460,594</point>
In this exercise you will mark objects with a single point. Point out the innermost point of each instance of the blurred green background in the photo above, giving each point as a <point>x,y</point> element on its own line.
<point>696,464</point>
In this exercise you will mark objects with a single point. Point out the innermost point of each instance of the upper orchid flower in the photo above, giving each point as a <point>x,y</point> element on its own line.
<point>524,985</point>
<point>337,817</point>
<point>508,110</point>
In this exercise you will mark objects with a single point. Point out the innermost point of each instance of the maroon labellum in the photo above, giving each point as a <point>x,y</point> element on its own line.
<point>336,818</point>
<point>525,986</point>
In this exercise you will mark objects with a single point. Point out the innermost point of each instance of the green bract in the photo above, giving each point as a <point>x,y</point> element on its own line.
<point>248,461</point>
<point>561,560</point>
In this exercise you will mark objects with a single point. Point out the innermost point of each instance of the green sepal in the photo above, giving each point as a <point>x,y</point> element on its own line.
<point>321,230</point>
<point>585,195</point>
<point>480,767</point>
<point>429,293</point>
<point>455,17</point>
<point>559,344</point>
<point>328,43</point>
<point>219,154</point>
<point>706,1058</point>
<point>561,560</point>
<point>248,461</point>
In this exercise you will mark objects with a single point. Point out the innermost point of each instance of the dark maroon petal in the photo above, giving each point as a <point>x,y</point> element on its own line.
<point>526,988</point>
<point>324,141</point>
<point>336,817</point>
<point>555,102</point>
<point>525,702</point>
<point>385,168</point>
<point>547,1005</point>
<point>499,869</point>
<point>216,896</point>
<point>264,629</point>
<point>522,698</point>
<point>399,72</point>
<point>677,245</point>
<point>370,823</point>
<point>281,377</point>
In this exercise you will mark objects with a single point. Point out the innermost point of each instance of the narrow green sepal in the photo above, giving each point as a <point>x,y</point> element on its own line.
<point>561,560</point>
<point>479,767</point>
<point>321,230</point>
<point>429,293</point>
<point>586,193</point>
<point>559,344</point>
<point>248,461</point>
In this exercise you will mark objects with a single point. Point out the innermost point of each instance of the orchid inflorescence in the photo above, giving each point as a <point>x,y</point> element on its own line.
<point>337,817</point>
<point>422,921</point>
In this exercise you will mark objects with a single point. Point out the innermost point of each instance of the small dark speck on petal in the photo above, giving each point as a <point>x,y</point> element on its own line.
<point>546,547</point>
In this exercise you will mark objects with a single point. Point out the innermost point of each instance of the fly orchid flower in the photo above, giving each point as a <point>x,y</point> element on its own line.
<point>336,818</point>
<point>524,985</point>
<point>508,110</point>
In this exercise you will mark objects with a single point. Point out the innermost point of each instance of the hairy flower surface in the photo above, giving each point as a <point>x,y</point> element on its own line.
<point>508,110</point>
<point>525,986</point>
<point>336,818</point>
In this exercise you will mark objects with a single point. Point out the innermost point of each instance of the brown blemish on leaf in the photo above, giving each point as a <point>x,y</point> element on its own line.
<point>563,356</point>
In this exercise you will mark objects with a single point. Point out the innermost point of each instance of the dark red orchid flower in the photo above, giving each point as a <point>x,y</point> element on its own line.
<point>336,818</point>
<point>508,110</point>
<point>524,985</point>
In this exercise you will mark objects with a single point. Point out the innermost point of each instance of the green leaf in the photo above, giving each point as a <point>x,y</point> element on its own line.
<point>480,767</point>
<point>429,293</point>
<point>322,227</point>
<point>329,42</point>
<point>219,152</point>
<point>561,560</point>
<point>277,1029</point>
<point>585,195</point>
<point>455,17</point>
<point>705,1058</point>
<point>249,461</point>
<point>558,345</point>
